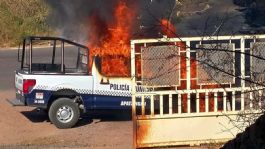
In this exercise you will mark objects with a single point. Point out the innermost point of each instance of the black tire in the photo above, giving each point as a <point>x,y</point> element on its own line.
<point>64,113</point>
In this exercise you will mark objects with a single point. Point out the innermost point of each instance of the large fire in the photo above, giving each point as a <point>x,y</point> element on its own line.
<point>168,28</point>
<point>111,42</point>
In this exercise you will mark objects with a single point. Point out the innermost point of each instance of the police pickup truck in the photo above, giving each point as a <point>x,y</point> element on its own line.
<point>59,81</point>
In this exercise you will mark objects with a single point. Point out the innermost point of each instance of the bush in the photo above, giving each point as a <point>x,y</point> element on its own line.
<point>20,18</point>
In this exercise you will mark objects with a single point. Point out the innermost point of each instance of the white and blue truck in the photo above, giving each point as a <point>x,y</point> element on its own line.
<point>62,83</point>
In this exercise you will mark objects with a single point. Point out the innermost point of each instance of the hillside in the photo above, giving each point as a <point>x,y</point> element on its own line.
<point>20,18</point>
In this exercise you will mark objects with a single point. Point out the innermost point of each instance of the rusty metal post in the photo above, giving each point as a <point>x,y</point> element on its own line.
<point>133,90</point>
<point>188,71</point>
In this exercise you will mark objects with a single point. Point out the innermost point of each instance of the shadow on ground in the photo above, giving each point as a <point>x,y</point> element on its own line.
<point>38,116</point>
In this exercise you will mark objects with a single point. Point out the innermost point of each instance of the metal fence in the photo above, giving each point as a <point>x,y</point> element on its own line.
<point>196,90</point>
<point>160,66</point>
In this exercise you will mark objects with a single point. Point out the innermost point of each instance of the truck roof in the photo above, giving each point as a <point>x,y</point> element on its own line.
<point>55,38</point>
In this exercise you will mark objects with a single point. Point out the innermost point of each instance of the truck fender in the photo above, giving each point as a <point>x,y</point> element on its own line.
<point>67,93</point>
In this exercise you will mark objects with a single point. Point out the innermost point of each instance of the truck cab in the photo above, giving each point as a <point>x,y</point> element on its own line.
<point>55,75</point>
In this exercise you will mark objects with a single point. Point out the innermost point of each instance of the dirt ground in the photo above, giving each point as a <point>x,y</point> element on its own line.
<point>24,127</point>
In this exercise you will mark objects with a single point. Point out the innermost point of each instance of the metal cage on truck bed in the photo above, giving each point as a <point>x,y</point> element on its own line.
<point>57,48</point>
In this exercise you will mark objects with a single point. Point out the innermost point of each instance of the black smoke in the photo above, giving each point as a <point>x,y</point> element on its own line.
<point>219,18</point>
<point>254,13</point>
<point>224,17</point>
<point>71,18</point>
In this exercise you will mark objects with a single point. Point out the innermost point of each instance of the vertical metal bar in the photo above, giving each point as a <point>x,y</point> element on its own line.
<point>18,52</point>
<point>170,103</point>
<point>62,50</point>
<point>197,103</point>
<point>161,104</point>
<point>215,94</point>
<point>224,100</point>
<point>242,101</point>
<point>260,95</point>
<point>23,53</point>
<point>152,105</point>
<point>188,104</point>
<point>242,66</point>
<point>53,51</point>
<point>251,100</point>
<point>142,105</point>
<point>233,101</point>
<point>78,58</point>
<point>242,50</point>
<point>133,84</point>
<point>188,81</point>
<point>206,101</point>
<point>188,65</point>
<point>179,104</point>
<point>30,56</point>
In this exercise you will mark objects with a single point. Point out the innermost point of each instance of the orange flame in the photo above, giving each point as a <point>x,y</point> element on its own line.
<point>111,41</point>
<point>168,28</point>
<point>113,46</point>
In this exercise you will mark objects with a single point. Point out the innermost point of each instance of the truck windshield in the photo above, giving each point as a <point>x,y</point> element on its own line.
<point>53,55</point>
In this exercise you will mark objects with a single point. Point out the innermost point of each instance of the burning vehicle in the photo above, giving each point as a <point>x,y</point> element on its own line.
<point>65,86</point>
<point>99,77</point>
<point>92,78</point>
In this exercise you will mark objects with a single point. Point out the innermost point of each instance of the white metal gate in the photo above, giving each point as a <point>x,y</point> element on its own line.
<point>195,90</point>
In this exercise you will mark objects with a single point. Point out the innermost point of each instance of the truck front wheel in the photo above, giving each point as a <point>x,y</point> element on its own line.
<point>64,113</point>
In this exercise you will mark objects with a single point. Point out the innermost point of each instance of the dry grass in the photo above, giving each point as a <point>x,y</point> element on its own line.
<point>20,18</point>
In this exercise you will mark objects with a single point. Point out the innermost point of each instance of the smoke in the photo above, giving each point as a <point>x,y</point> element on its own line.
<point>151,15</point>
<point>211,19</point>
<point>71,18</point>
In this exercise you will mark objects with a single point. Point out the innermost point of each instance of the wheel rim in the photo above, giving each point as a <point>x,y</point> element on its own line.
<point>65,114</point>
